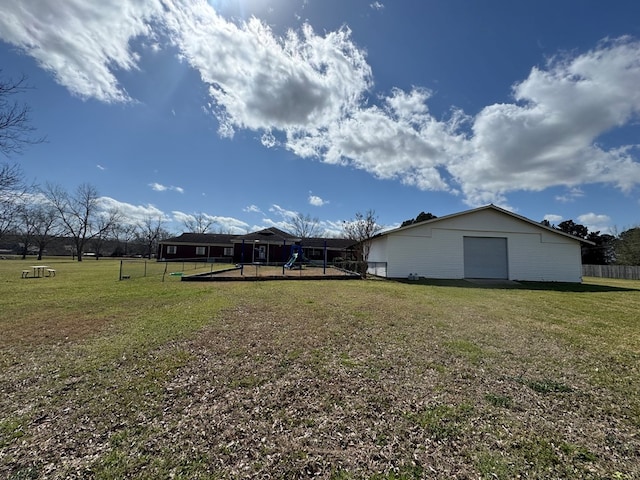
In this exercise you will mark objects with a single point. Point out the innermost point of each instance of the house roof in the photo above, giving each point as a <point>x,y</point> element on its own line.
<point>486,207</point>
<point>267,235</point>
<point>201,239</point>
<point>335,243</point>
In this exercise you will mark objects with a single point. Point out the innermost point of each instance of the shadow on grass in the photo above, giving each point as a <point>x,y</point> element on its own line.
<point>513,285</point>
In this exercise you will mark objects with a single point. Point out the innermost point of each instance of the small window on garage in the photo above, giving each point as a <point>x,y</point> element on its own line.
<point>171,249</point>
<point>228,251</point>
<point>200,250</point>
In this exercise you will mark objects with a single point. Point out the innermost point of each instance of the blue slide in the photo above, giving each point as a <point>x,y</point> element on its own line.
<point>291,261</point>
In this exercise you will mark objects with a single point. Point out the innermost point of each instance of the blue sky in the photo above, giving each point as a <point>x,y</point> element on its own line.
<point>249,111</point>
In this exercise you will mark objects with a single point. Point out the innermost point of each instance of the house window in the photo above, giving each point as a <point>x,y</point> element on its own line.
<point>228,251</point>
<point>171,249</point>
<point>200,250</point>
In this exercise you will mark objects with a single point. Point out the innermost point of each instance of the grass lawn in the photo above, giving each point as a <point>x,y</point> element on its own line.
<point>378,379</point>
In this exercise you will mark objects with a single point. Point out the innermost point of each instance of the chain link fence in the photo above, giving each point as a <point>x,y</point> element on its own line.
<point>141,268</point>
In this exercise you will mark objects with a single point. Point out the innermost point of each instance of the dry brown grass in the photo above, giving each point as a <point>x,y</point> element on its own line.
<point>342,380</point>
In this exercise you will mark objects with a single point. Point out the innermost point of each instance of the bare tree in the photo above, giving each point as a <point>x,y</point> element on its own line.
<point>25,228</point>
<point>15,127</point>
<point>361,230</point>
<point>124,233</point>
<point>37,224</point>
<point>103,230</point>
<point>198,223</point>
<point>45,226</point>
<point>15,132</point>
<point>226,230</point>
<point>13,190</point>
<point>80,214</point>
<point>150,231</point>
<point>306,227</point>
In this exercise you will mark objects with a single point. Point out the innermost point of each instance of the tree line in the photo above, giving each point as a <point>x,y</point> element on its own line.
<point>37,217</point>
<point>608,249</point>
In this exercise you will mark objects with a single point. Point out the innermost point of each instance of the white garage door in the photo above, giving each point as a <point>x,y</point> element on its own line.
<point>485,257</point>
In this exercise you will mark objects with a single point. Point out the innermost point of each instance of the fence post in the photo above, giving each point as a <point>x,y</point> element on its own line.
<point>242,259</point>
<point>284,254</point>
<point>324,255</point>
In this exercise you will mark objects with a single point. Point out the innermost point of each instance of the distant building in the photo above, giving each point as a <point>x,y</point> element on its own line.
<point>270,245</point>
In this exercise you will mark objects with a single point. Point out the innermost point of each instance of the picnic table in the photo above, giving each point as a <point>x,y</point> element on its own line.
<point>38,270</point>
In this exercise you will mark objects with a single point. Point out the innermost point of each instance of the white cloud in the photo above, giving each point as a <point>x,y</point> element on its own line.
<point>316,201</point>
<point>219,223</point>
<point>280,224</point>
<point>81,43</point>
<point>252,209</point>
<point>158,187</point>
<point>397,141</point>
<point>376,5</point>
<point>595,222</point>
<point>181,217</point>
<point>261,82</point>
<point>285,218</point>
<point>333,229</point>
<point>100,167</point>
<point>553,219</point>
<point>573,194</point>
<point>282,212</point>
<point>131,214</point>
<point>230,225</point>
<point>549,137</point>
<point>311,94</point>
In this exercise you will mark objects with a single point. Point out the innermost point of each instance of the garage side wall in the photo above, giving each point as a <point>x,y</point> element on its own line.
<point>378,250</point>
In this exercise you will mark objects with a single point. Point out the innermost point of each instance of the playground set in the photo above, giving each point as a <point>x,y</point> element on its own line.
<point>297,258</point>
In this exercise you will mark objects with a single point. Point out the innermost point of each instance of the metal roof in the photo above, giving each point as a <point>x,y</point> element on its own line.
<point>486,207</point>
<point>201,239</point>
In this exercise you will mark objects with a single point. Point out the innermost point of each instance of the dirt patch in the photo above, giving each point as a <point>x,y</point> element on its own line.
<point>268,272</point>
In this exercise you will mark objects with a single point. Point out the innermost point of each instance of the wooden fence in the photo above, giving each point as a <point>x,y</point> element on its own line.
<point>627,272</point>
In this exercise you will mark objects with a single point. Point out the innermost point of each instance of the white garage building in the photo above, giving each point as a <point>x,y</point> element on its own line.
<point>486,242</point>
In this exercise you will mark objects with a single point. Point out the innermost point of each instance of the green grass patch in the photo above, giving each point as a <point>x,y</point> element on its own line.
<point>502,401</point>
<point>494,465</point>
<point>11,429</point>
<point>443,422</point>
<point>466,349</point>
<point>547,385</point>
